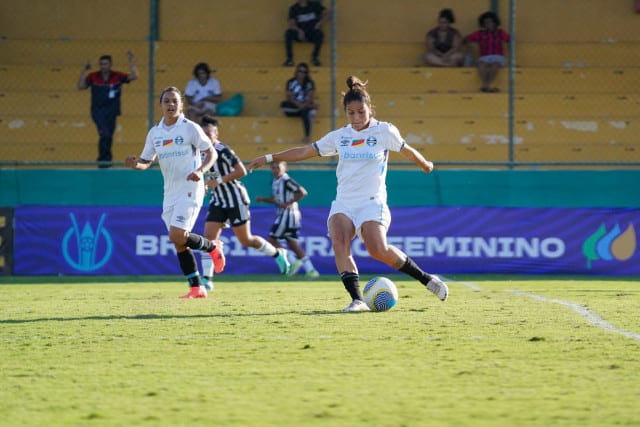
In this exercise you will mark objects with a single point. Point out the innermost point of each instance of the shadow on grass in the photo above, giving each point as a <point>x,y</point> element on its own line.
<point>166,316</point>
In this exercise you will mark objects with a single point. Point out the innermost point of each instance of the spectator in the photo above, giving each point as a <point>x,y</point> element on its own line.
<point>360,207</point>
<point>285,194</point>
<point>443,43</point>
<point>300,99</point>
<point>230,204</point>
<point>106,86</point>
<point>203,92</point>
<point>305,25</point>
<point>178,144</point>
<point>490,39</point>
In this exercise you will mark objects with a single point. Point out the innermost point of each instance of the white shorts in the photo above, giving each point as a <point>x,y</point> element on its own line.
<point>361,212</point>
<point>183,213</point>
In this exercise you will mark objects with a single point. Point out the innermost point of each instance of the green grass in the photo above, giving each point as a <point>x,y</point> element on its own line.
<point>266,351</point>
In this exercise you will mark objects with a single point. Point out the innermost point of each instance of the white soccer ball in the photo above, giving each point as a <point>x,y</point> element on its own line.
<point>380,294</point>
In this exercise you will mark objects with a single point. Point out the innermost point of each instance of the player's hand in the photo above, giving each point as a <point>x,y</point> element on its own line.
<point>195,176</point>
<point>256,163</point>
<point>131,162</point>
<point>130,56</point>
<point>87,65</point>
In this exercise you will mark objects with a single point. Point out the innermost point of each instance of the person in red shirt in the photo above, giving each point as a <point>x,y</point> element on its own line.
<point>106,87</point>
<point>490,39</point>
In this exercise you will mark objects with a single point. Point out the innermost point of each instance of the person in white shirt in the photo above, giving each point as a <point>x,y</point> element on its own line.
<point>177,143</point>
<point>203,92</point>
<point>360,207</point>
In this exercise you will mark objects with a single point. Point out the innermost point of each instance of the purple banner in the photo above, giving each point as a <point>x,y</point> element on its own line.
<point>133,241</point>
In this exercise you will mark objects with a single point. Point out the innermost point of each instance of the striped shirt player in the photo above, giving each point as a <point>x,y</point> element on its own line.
<point>360,207</point>
<point>288,219</point>
<point>177,143</point>
<point>229,204</point>
<point>285,194</point>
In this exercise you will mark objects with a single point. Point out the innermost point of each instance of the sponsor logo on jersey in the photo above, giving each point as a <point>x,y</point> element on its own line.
<point>345,141</point>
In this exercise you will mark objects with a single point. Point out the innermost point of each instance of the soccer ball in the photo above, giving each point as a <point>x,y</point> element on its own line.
<point>380,294</point>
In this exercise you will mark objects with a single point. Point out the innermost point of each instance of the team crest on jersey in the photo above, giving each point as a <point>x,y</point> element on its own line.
<point>345,141</point>
<point>372,141</point>
<point>357,142</point>
<point>179,140</point>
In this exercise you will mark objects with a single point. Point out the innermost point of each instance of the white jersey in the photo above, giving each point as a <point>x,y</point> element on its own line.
<point>178,150</point>
<point>197,91</point>
<point>363,156</point>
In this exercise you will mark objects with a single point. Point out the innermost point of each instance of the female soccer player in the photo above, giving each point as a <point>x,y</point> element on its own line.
<point>177,143</point>
<point>360,207</point>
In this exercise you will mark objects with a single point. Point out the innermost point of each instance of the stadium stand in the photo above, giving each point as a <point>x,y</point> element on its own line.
<point>576,92</point>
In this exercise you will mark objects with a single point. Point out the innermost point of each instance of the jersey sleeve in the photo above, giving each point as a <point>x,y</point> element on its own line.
<point>327,145</point>
<point>200,139</point>
<point>149,150</point>
<point>394,141</point>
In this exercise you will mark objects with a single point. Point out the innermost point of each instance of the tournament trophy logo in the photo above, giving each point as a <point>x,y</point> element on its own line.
<point>87,249</point>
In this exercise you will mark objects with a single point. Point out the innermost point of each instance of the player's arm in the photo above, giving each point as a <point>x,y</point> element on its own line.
<point>133,68</point>
<point>295,154</point>
<point>137,163</point>
<point>210,156</point>
<point>412,154</point>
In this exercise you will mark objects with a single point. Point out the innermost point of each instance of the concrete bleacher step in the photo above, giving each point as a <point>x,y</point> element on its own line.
<point>170,54</point>
<point>442,139</point>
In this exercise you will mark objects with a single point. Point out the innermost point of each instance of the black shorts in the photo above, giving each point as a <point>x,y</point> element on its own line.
<point>237,215</point>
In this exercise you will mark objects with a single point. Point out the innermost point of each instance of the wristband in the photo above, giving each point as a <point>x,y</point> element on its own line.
<point>219,179</point>
<point>269,158</point>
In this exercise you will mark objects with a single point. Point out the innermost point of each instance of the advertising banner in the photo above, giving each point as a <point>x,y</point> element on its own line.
<point>444,240</point>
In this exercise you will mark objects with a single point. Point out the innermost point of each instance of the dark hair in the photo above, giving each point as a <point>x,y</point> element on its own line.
<point>171,89</point>
<point>105,57</point>
<point>448,15</point>
<point>488,15</point>
<point>201,66</point>
<point>209,120</point>
<point>357,92</point>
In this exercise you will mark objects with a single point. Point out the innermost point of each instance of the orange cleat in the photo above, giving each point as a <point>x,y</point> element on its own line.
<point>217,255</point>
<point>195,292</point>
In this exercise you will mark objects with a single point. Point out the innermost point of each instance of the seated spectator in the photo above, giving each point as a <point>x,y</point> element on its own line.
<point>300,99</point>
<point>443,43</point>
<point>203,92</point>
<point>490,39</point>
<point>305,25</point>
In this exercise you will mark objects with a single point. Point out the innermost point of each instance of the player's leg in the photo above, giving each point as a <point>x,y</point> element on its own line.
<point>341,232</point>
<point>374,236</point>
<point>249,240</point>
<point>212,231</point>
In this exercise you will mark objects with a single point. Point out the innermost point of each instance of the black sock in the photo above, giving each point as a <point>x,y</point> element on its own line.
<point>197,242</point>
<point>351,283</point>
<point>411,268</point>
<point>189,267</point>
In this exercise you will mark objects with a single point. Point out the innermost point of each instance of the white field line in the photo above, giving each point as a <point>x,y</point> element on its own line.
<point>592,318</point>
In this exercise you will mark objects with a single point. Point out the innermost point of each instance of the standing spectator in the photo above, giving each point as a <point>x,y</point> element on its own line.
<point>178,143</point>
<point>300,100</point>
<point>490,39</point>
<point>305,25</point>
<point>443,43</point>
<point>203,92</point>
<point>230,204</point>
<point>285,194</point>
<point>360,207</point>
<point>106,86</point>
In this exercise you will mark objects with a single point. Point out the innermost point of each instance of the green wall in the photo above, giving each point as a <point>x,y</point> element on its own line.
<point>561,188</point>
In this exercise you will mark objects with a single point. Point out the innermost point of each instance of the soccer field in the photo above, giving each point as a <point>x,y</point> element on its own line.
<point>271,351</point>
